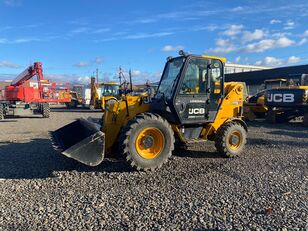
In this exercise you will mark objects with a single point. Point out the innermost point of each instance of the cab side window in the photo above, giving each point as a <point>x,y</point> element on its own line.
<point>195,77</point>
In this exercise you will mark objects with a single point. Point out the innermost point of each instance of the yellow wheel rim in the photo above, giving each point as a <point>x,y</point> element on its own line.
<point>150,142</point>
<point>235,140</point>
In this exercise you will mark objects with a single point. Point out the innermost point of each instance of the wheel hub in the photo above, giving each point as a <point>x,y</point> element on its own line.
<point>148,142</point>
<point>235,140</point>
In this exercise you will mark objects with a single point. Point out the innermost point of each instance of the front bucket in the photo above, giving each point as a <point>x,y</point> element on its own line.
<point>81,140</point>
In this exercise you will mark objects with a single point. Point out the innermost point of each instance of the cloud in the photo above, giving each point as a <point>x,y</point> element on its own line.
<point>101,30</point>
<point>136,36</point>
<point>303,41</point>
<point>24,40</point>
<point>208,28</point>
<point>79,79</point>
<point>283,42</point>
<point>27,40</point>
<point>80,30</point>
<point>293,59</point>
<point>275,21</point>
<point>274,62</point>
<point>267,44</point>
<point>140,77</point>
<point>98,60</point>
<point>223,46</point>
<point>222,42</point>
<point>270,62</point>
<point>7,77</point>
<point>5,28</point>
<point>8,64</point>
<point>250,36</point>
<point>289,25</point>
<point>238,59</point>
<point>148,35</point>
<point>18,41</point>
<point>281,34</point>
<point>233,30</point>
<point>143,76</point>
<point>12,3</point>
<point>136,73</point>
<point>79,22</point>
<point>145,20</point>
<point>169,48</point>
<point>82,64</point>
<point>261,46</point>
<point>74,79</point>
<point>237,9</point>
<point>84,79</point>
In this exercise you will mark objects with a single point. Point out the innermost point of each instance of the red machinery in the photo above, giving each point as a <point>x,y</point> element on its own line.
<point>20,98</point>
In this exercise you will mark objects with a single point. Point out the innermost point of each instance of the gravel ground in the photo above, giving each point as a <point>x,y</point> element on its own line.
<point>266,188</point>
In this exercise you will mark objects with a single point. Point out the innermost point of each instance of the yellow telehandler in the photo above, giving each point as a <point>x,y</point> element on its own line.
<point>255,105</point>
<point>192,102</point>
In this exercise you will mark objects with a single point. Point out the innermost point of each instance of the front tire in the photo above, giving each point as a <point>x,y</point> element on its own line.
<point>72,105</point>
<point>147,142</point>
<point>305,120</point>
<point>231,139</point>
<point>45,110</point>
<point>91,107</point>
<point>2,113</point>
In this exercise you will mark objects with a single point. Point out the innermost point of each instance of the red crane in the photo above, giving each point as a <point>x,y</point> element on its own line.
<point>20,98</point>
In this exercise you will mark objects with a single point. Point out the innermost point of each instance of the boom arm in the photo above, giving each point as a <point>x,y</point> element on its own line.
<point>35,69</point>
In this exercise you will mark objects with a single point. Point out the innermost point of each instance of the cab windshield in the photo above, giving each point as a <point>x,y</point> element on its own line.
<point>270,84</point>
<point>110,90</point>
<point>172,71</point>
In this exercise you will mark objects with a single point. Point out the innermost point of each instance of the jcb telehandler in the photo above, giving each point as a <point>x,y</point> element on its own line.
<point>254,107</point>
<point>192,102</point>
<point>288,102</point>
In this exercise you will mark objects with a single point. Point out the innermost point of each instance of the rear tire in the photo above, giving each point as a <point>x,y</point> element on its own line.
<point>305,120</point>
<point>231,139</point>
<point>147,142</point>
<point>2,112</point>
<point>45,110</point>
<point>271,116</point>
<point>72,105</point>
<point>277,117</point>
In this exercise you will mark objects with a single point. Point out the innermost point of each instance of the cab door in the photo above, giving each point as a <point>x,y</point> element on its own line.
<point>198,91</point>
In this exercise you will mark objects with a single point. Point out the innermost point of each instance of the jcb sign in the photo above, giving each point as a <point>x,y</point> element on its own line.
<point>196,111</point>
<point>279,97</point>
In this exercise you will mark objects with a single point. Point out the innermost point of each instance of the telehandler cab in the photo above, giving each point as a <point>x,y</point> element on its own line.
<point>192,102</point>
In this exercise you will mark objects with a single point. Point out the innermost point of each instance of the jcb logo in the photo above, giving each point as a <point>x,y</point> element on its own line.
<point>278,98</point>
<point>196,111</point>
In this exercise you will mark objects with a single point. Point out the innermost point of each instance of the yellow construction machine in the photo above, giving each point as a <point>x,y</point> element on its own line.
<point>255,106</point>
<point>76,95</point>
<point>192,102</point>
<point>108,91</point>
<point>288,102</point>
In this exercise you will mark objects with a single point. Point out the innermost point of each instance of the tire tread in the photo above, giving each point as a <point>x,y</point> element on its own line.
<point>127,131</point>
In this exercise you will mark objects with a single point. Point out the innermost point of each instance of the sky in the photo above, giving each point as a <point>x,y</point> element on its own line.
<point>74,37</point>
